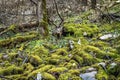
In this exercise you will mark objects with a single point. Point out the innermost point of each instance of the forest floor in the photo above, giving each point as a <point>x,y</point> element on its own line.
<point>87,51</point>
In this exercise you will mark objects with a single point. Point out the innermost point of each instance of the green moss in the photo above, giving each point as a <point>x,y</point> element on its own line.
<point>44,22</point>
<point>28,69</point>
<point>17,77</point>
<point>99,44</point>
<point>11,70</point>
<point>64,76</point>
<point>48,76</point>
<point>15,40</point>
<point>79,29</point>
<point>65,58</point>
<point>83,69</point>
<point>6,64</point>
<point>67,76</point>
<point>115,70</point>
<point>12,56</point>
<point>74,77</point>
<point>55,56</point>
<point>88,59</point>
<point>40,51</point>
<point>35,60</point>
<point>12,27</point>
<point>69,65</point>
<point>42,69</point>
<point>78,59</point>
<point>44,25</point>
<point>74,71</point>
<point>57,70</point>
<point>61,51</point>
<point>101,75</point>
<point>54,61</point>
<point>72,64</point>
<point>99,53</point>
<point>59,58</point>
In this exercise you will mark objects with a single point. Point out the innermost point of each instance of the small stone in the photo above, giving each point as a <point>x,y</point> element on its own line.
<point>5,56</point>
<point>79,42</point>
<point>112,65</point>
<point>102,64</point>
<point>90,69</point>
<point>39,76</point>
<point>118,1</point>
<point>89,75</point>
<point>85,34</point>
<point>70,55</point>
<point>74,64</point>
<point>71,43</point>
<point>107,36</point>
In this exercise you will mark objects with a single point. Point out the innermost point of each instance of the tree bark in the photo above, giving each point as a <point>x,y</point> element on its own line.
<point>44,22</point>
<point>84,5</point>
<point>93,4</point>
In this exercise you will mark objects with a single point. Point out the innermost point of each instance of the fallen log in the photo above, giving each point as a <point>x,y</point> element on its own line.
<point>16,40</point>
<point>19,27</point>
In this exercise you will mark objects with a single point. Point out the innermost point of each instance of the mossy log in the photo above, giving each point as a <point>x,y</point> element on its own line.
<point>19,27</point>
<point>16,40</point>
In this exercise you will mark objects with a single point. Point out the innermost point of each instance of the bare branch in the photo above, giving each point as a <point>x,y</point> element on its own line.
<point>34,2</point>
<point>58,13</point>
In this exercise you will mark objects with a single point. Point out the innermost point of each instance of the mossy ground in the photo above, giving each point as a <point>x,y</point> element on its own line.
<point>23,55</point>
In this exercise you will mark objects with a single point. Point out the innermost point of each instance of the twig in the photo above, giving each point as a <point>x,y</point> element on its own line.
<point>24,61</point>
<point>34,2</point>
<point>58,13</point>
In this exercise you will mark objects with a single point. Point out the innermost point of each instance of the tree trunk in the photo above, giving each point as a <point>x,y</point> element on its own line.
<point>39,11</point>
<point>44,22</point>
<point>84,2</point>
<point>93,4</point>
<point>84,5</point>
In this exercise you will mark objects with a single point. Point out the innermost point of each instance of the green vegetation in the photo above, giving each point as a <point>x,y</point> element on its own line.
<point>24,54</point>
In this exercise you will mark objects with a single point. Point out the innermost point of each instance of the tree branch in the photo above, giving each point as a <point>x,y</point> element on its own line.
<point>34,2</point>
<point>58,13</point>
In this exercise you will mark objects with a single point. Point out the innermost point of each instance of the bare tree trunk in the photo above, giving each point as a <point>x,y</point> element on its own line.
<point>42,16</point>
<point>39,11</point>
<point>93,4</point>
<point>84,5</point>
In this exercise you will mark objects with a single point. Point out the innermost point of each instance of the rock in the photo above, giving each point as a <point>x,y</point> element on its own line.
<point>74,64</point>
<point>90,69</point>
<point>102,64</point>
<point>107,36</point>
<point>79,42</point>
<point>89,75</point>
<point>71,43</point>
<point>112,65</point>
<point>85,34</point>
<point>5,56</point>
<point>118,1</point>
<point>39,77</point>
<point>69,55</point>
